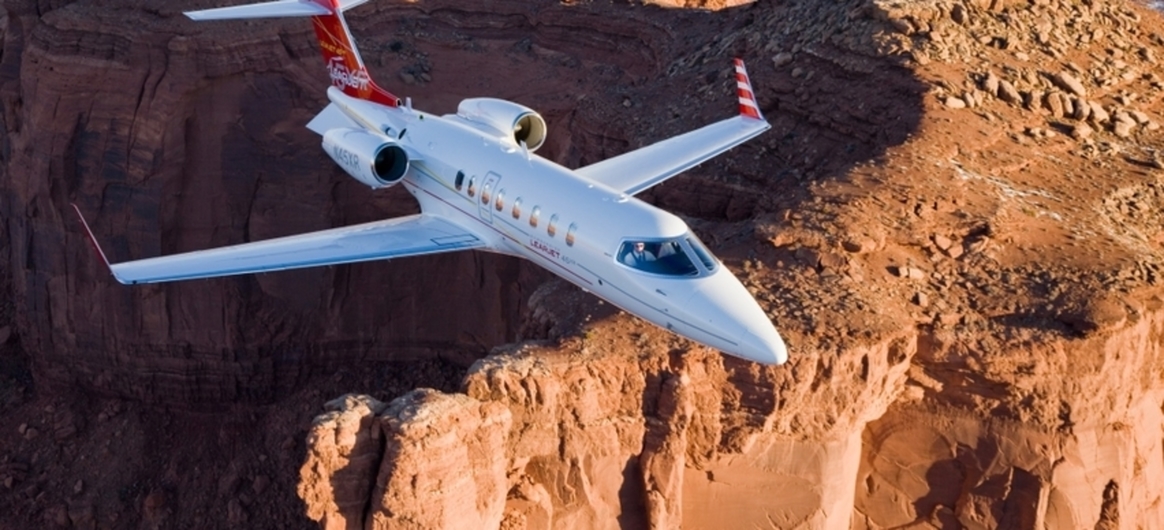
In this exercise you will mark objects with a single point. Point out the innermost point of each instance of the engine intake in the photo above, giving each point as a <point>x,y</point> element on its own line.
<point>371,158</point>
<point>513,121</point>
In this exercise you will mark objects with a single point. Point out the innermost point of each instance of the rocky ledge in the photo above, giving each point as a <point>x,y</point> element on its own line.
<point>955,221</point>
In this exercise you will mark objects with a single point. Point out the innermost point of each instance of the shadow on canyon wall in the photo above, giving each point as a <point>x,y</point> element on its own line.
<point>175,136</point>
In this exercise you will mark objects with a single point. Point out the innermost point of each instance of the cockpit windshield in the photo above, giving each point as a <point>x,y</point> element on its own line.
<point>670,257</point>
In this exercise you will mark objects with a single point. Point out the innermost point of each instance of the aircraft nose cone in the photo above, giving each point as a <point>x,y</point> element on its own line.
<point>733,310</point>
<point>765,347</point>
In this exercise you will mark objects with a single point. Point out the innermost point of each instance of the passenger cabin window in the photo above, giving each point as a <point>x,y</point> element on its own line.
<point>668,258</point>
<point>533,216</point>
<point>460,182</point>
<point>485,194</point>
<point>552,228</point>
<point>500,202</point>
<point>570,234</point>
<point>472,186</point>
<point>517,208</point>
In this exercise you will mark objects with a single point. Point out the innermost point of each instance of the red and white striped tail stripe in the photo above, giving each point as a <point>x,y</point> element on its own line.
<point>748,105</point>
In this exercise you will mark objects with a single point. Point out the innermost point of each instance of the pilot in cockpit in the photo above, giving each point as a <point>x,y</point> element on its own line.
<point>638,256</point>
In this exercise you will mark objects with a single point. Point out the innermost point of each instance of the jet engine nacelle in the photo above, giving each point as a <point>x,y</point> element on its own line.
<point>371,158</point>
<point>516,122</point>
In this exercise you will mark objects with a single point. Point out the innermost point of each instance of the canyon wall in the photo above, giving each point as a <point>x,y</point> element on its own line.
<point>172,136</point>
<point>954,221</point>
<point>662,436</point>
<point>968,353</point>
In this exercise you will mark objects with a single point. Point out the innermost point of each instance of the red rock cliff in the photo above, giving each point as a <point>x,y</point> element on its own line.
<point>955,221</point>
<point>175,136</point>
<point>977,309</point>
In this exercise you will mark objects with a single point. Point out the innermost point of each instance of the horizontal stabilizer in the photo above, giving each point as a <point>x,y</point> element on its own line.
<point>279,8</point>
<point>331,118</point>
<point>345,5</point>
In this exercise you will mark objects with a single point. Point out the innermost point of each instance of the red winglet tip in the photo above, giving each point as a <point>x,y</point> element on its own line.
<point>92,239</point>
<point>748,105</point>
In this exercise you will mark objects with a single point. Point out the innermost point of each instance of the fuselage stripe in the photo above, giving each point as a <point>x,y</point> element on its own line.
<point>664,314</point>
<point>503,234</point>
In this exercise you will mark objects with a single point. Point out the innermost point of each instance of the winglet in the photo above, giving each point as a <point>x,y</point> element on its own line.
<point>93,241</point>
<point>748,105</point>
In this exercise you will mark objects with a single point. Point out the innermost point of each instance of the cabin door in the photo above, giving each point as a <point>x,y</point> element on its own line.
<point>488,196</point>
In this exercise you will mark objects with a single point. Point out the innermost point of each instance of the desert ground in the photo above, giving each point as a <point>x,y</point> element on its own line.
<point>955,222</point>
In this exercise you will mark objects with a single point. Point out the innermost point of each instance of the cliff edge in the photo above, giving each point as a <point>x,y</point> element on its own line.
<point>955,222</point>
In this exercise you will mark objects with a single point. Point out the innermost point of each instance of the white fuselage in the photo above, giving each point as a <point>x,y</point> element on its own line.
<point>573,228</point>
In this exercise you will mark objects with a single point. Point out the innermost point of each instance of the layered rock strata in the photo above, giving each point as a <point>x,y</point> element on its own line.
<point>955,221</point>
<point>978,317</point>
<point>585,438</point>
<point>659,436</point>
<point>174,136</point>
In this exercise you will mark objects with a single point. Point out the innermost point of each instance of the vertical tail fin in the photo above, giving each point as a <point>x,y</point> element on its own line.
<point>340,55</point>
<point>343,59</point>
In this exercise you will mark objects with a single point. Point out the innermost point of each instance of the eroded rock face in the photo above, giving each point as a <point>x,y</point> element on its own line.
<point>577,427</point>
<point>968,473</point>
<point>345,447</point>
<point>211,152</point>
<point>443,463</point>
<point>954,369</point>
<point>700,432</point>
<point>1065,450</point>
<point>600,439</point>
<point>946,188</point>
<point>427,459</point>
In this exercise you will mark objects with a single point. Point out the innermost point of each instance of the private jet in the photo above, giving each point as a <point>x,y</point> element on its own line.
<point>480,185</point>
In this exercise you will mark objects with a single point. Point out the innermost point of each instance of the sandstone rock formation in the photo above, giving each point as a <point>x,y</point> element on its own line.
<point>955,221</point>
<point>428,458</point>
<point>958,366</point>
<point>344,448</point>
<point>177,136</point>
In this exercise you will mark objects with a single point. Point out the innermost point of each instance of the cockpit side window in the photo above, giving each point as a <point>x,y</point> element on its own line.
<point>657,257</point>
<point>702,253</point>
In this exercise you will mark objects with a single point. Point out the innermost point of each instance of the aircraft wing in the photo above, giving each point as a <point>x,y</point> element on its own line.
<point>642,168</point>
<point>391,238</point>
